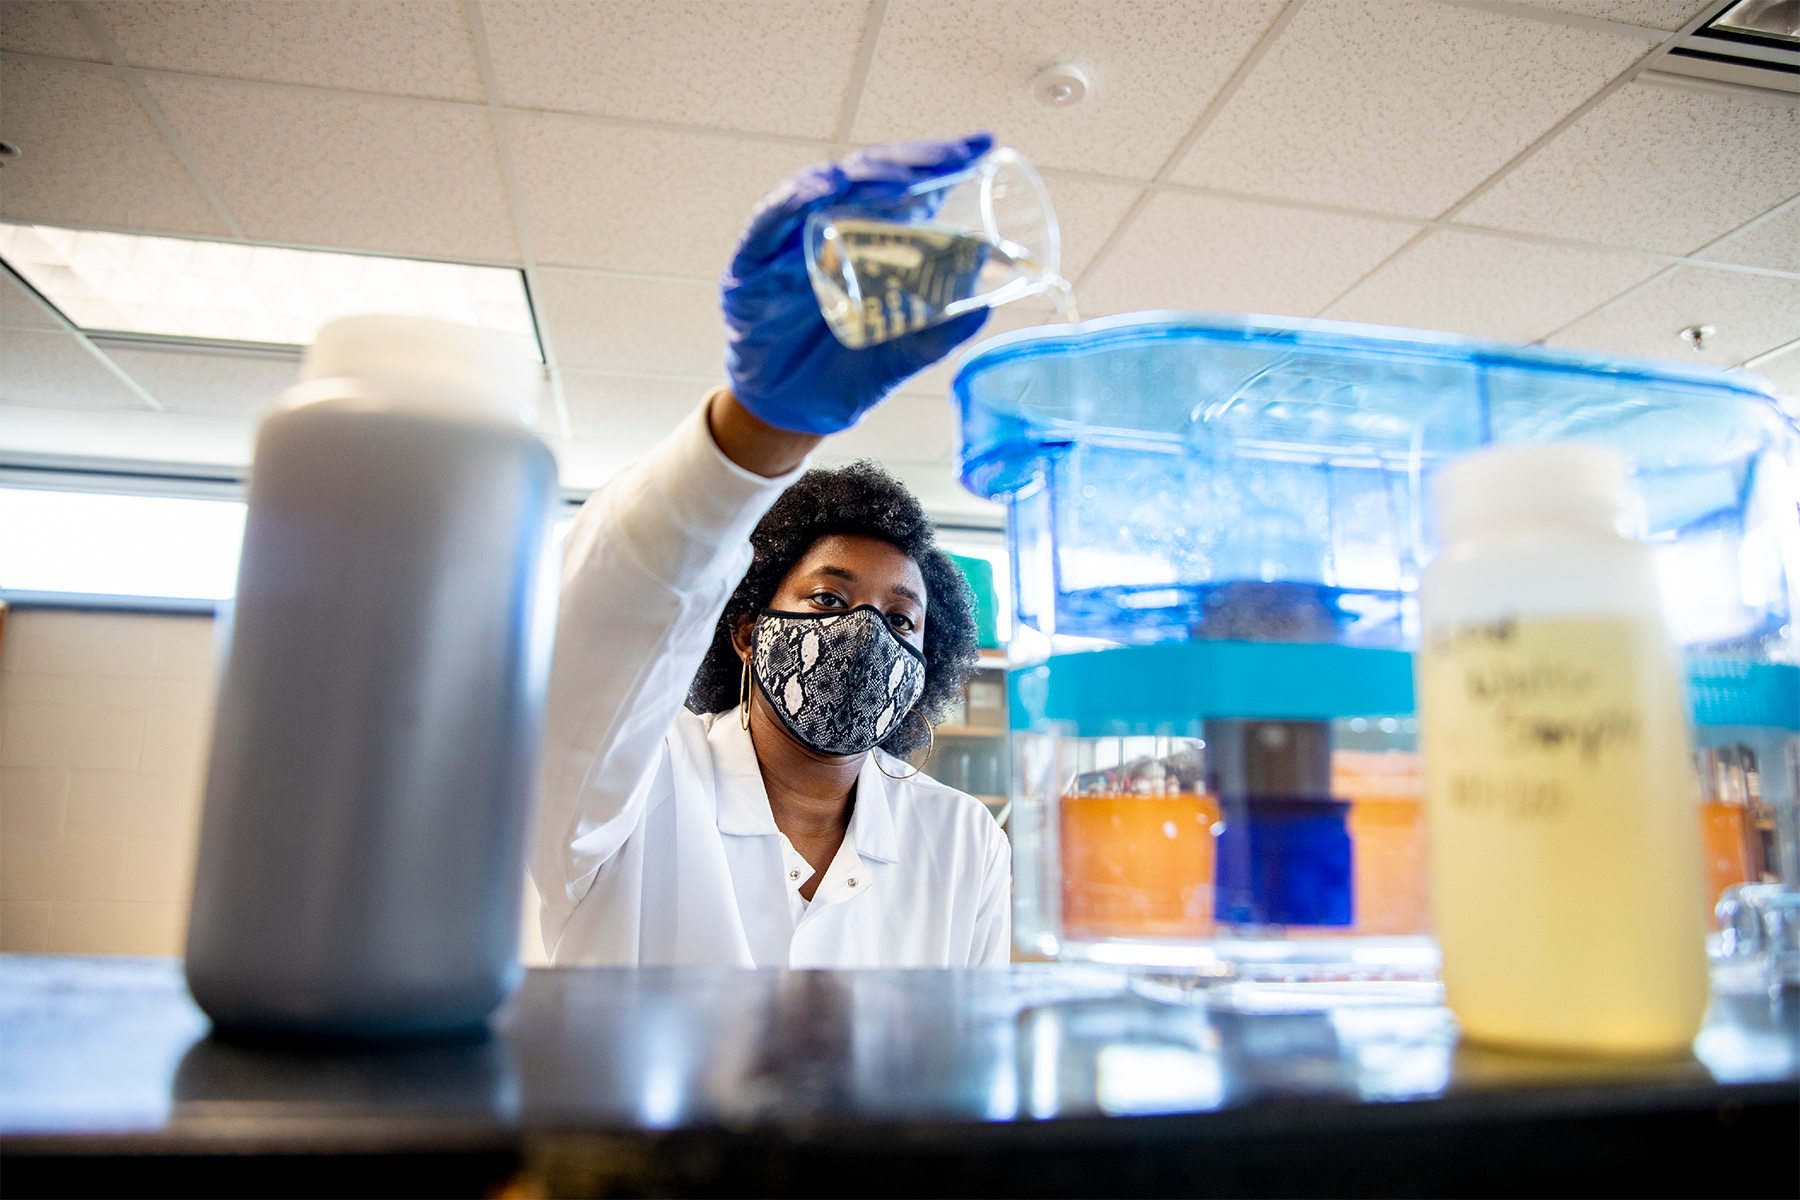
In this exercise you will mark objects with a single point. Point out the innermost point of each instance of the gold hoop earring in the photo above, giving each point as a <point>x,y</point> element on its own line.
<point>744,698</point>
<point>930,749</point>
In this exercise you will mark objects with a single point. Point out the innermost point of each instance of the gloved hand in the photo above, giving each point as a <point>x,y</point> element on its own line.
<point>783,362</point>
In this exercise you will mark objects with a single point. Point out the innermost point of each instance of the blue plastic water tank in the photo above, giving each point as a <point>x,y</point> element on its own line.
<point>1174,474</point>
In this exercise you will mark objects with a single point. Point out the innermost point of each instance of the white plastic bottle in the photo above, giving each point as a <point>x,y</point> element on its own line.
<point>362,852</point>
<point>1564,852</point>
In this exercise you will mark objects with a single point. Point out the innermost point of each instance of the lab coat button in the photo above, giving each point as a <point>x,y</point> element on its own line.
<point>793,874</point>
<point>851,882</point>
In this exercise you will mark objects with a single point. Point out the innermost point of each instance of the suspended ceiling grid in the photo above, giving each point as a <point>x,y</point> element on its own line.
<point>1507,170</point>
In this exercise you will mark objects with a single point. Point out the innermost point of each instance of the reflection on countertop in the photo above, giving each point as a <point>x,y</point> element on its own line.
<point>110,1055</point>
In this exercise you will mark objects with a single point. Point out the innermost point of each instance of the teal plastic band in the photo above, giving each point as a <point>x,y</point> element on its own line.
<point>1737,691</point>
<point>1169,689</point>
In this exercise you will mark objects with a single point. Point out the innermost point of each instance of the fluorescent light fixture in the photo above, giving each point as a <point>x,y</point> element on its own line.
<point>1770,18</point>
<point>86,543</point>
<point>225,291</point>
<point>1754,42</point>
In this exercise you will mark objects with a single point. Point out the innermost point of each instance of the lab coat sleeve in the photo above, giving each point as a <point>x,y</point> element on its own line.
<point>992,942</point>
<point>647,567</point>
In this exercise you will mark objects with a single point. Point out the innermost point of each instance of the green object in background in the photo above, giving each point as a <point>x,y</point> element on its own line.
<point>980,574</point>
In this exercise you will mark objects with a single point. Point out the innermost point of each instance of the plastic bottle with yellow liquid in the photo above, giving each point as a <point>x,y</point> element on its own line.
<point>1564,856</point>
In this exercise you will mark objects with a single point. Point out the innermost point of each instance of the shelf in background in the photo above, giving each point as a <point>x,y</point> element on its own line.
<point>970,731</point>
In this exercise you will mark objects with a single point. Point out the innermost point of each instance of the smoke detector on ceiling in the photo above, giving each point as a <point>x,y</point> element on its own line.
<point>1695,336</point>
<point>1061,86</point>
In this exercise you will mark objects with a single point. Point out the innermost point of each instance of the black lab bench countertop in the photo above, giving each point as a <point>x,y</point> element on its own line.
<point>1040,1080</point>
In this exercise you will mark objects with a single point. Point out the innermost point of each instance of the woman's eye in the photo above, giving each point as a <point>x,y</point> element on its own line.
<point>827,600</point>
<point>901,622</point>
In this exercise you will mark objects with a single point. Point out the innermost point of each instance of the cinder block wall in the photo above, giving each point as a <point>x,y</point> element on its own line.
<point>104,724</point>
<point>104,721</point>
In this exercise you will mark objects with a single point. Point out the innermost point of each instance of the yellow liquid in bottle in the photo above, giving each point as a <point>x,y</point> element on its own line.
<point>1564,862</point>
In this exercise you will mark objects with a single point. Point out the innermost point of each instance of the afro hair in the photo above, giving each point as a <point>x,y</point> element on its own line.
<point>861,499</point>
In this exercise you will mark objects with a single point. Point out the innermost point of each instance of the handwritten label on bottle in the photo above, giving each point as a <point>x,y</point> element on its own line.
<point>1525,717</point>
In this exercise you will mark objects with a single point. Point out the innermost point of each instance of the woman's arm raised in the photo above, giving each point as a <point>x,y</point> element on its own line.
<point>751,442</point>
<point>647,567</point>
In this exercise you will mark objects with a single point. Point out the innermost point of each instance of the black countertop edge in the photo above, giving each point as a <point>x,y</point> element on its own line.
<point>250,1135</point>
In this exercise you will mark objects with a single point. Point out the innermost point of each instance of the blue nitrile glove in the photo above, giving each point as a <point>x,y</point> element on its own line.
<point>784,364</point>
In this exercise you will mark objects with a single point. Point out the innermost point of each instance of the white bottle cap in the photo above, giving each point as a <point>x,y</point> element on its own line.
<point>1557,486</point>
<point>425,365</point>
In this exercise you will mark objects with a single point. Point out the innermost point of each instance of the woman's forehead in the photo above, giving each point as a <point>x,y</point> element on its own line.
<point>857,558</point>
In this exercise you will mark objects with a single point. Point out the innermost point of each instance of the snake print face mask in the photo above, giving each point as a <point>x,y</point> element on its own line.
<point>840,682</point>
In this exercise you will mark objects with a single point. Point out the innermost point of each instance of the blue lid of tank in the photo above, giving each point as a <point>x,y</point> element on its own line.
<point>1160,380</point>
<point>1737,691</point>
<point>1169,688</point>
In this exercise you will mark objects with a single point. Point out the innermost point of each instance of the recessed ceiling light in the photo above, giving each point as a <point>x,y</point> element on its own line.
<point>1771,18</point>
<point>179,288</point>
<point>1754,42</point>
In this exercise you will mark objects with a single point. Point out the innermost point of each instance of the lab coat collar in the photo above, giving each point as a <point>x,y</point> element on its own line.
<point>872,820</point>
<point>744,802</point>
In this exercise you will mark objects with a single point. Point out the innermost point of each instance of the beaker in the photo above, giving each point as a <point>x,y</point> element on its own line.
<point>981,237</point>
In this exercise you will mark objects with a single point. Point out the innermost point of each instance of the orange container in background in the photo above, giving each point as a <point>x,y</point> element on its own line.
<point>1737,828</point>
<point>1138,866</point>
<point>1724,852</point>
<point>1387,838</point>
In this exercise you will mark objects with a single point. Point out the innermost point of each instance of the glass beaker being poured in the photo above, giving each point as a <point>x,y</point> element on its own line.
<point>981,237</point>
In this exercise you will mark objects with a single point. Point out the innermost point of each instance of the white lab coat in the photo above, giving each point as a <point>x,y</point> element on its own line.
<point>655,841</point>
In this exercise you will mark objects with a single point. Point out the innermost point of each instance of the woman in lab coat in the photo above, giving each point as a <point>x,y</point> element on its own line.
<point>815,632</point>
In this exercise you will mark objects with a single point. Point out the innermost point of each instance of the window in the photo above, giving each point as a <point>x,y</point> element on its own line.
<point>118,550</point>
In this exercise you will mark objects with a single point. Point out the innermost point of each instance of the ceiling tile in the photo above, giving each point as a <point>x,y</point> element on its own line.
<point>92,157</point>
<point>770,66</point>
<point>419,48</point>
<point>1491,287</point>
<point>210,384</point>
<point>943,67</point>
<point>612,324</point>
<point>364,174</point>
<point>641,200</point>
<point>1088,210</point>
<point>1752,313</point>
<point>20,309</point>
<point>628,413</point>
<point>1399,106</point>
<point>901,429</point>
<point>1784,373</point>
<point>54,370</point>
<point>1649,14</point>
<point>1189,251</point>
<point>1655,168</point>
<point>42,27</point>
<point>1771,243</point>
<point>936,488</point>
